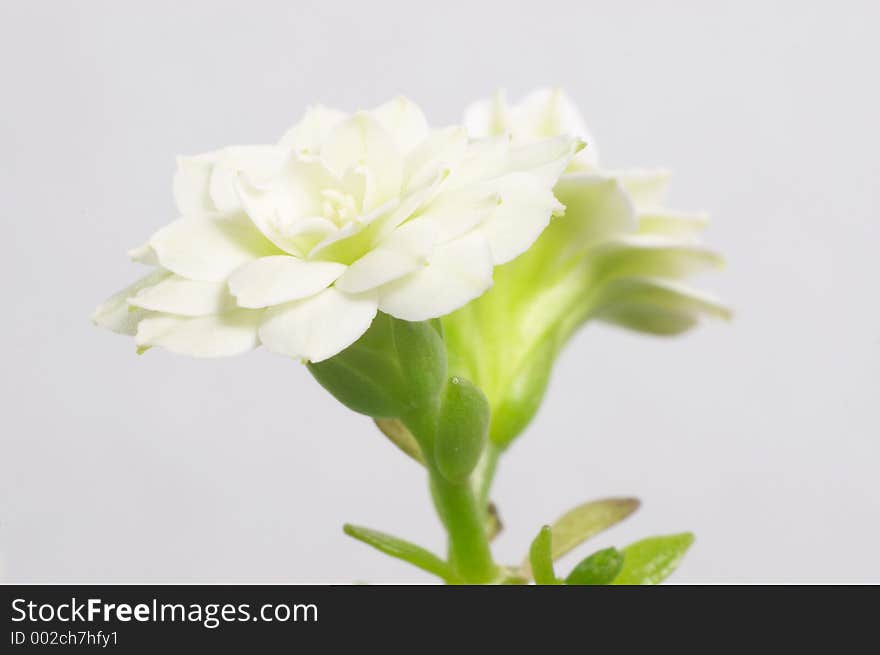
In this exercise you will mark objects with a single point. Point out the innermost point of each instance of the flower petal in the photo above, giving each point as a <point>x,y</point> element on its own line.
<point>459,211</point>
<point>318,327</point>
<point>440,151</point>
<point>144,254</point>
<point>178,295</point>
<point>547,158</point>
<point>646,188</point>
<point>192,183</point>
<point>597,208</point>
<point>115,313</point>
<point>650,256</point>
<point>458,272</point>
<point>362,141</point>
<point>257,162</point>
<point>407,249</point>
<point>655,306</point>
<point>404,120</point>
<point>525,210</point>
<point>488,117</point>
<point>683,225</point>
<point>279,279</point>
<point>209,248</point>
<point>217,335</point>
<point>292,195</point>
<point>309,133</point>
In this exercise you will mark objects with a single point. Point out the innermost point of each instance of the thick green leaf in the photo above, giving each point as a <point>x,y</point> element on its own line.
<point>395,547</point>
<point>462,425</point>
<point>599,568</point>
<point>541,558</point>
<point>650,561</point>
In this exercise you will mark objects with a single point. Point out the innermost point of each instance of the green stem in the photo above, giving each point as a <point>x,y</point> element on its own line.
<point>458,507</point>
<point>463,517</point>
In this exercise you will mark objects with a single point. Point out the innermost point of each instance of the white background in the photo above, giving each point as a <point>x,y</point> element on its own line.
<point>760,436</point>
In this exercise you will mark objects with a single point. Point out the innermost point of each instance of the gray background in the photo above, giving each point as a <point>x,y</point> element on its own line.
<point>761,436</point>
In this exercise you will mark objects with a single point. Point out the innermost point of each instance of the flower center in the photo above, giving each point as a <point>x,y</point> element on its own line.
<point>338,207</point>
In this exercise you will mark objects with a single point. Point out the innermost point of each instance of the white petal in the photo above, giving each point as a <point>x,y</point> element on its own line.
<point>407,249</point>
<point>144,254</point>
<point>546,158</point>
<point>434,156</point>
<point>650,256</point>
<point>311,131</point>
<point>257,162</point>
<point>352,241</point>
<point>525,210</point>
<point>459,272</point>
<point>209,248</point>
<point>178,295</point>
<point>218,335</point>
<point>279,279</point>
<point>654,306</point>
<point>459,211</point>
<point>546,113</point>
<point>293,195</point>
<point>191,184</point>
<point>683,225</point>
<point>318,327</point>
<point>482,160</point>
<point>596,208</point>
<point>488,117</point>
<point>115,313</point>
<point>404,120</point>
<point>362,141</point>
<point>647,189</point>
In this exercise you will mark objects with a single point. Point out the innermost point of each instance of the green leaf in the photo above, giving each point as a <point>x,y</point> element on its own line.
<point>598,569</point>
<point>400,549</point>
<point>401,437</point>
<point>587,520</point>
<point>541,558</point>
<point>652,560</point>
<point>461,429</point>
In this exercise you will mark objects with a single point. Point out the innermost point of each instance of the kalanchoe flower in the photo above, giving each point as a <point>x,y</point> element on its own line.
<point>298,245</point>
<point>616,255</point>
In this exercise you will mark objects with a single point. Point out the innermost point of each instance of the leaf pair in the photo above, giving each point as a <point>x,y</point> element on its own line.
<point>648,561</point>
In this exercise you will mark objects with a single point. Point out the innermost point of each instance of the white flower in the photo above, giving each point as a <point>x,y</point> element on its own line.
<point>616,254</point>
<point>616,222</point>
<point>298,245</point>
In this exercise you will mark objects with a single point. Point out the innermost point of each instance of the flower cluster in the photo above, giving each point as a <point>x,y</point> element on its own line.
<point>429,278</point>
<point>297,245</point>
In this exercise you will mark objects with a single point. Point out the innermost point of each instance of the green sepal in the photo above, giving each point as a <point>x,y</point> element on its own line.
<point>401,549</point>
<point>394,368</point>
<point>421,356</point>
<point>541,558</point>
<point>462,425</point>
<point>600,568</point>
<point>652,560</point>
